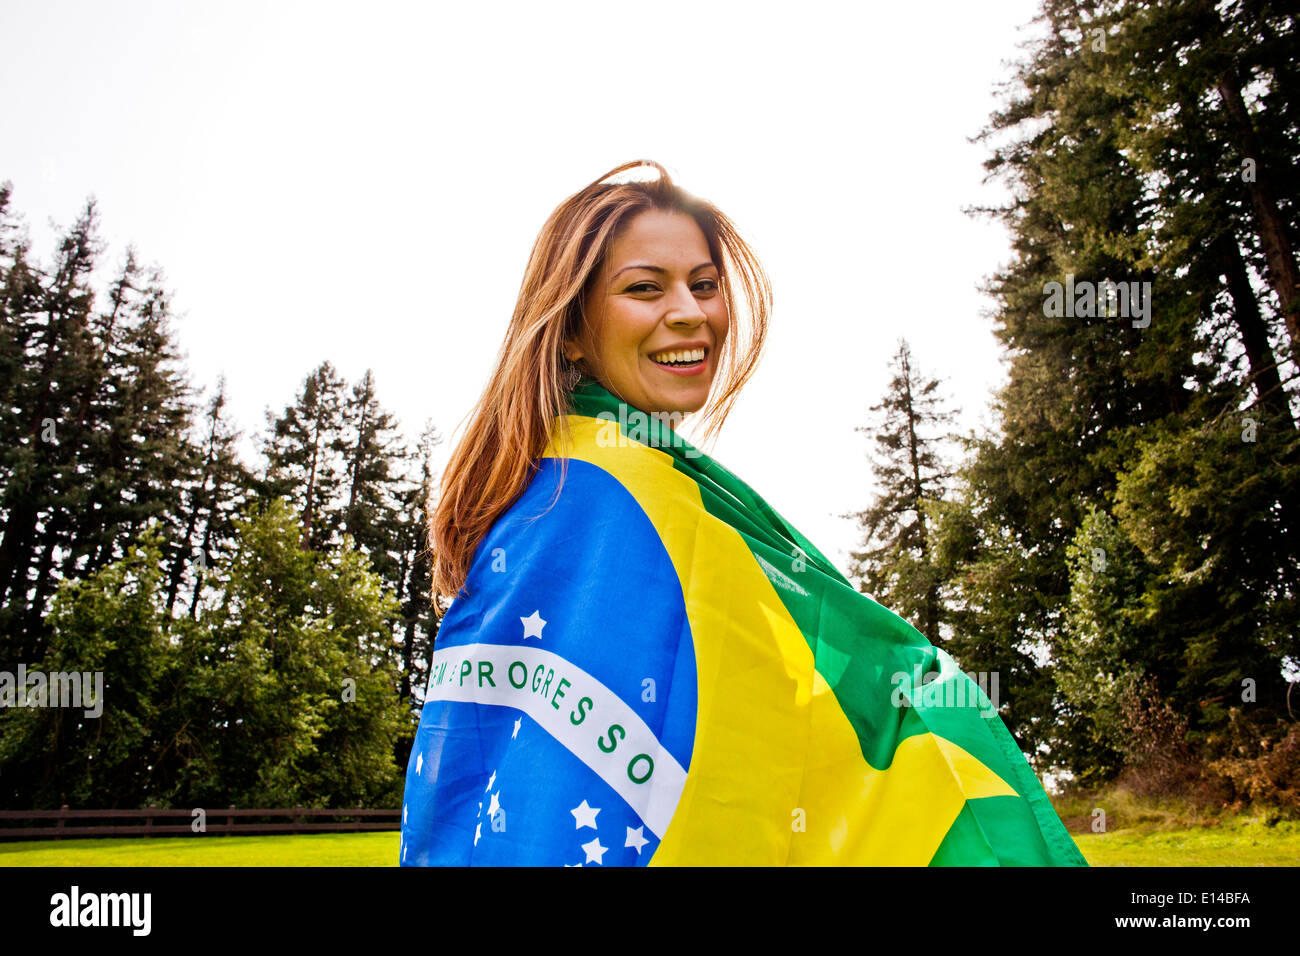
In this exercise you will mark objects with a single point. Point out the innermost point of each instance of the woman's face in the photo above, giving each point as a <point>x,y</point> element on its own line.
<point>656,317</point>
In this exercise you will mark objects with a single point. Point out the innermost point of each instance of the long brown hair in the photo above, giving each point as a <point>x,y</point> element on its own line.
<point>513,420</point>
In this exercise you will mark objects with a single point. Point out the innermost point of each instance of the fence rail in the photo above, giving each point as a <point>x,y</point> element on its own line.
<point>54,824</point>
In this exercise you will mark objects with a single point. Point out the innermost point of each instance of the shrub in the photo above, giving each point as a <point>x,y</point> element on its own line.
<point>1263,764</point>
<point>1159,762</point>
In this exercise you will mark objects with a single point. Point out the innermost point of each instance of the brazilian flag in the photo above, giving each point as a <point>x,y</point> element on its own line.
<point>649,665</point>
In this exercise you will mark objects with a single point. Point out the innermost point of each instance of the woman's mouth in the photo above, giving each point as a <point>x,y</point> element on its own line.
<point>681,361</point>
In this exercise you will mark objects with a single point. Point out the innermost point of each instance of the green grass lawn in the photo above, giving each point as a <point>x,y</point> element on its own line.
<point>1238,843</point>
<point>1171,831</point>
<point>1251,843</point>
<point>310,849</point>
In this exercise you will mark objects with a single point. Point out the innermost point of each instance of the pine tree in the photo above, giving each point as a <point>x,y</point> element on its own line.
<point>1075,375</point>
<point>1215,196</point>
<point>896,563</point>
<point>375,460</point>
<point>1125,164</point>
<point>146,401</point>
<point>1219,542</point>
<point>47,319</point>
<point>216,487</point>
<point>115,499</point>
<point>305,451</point>
<point>95,425</point>
<point>421,615</point>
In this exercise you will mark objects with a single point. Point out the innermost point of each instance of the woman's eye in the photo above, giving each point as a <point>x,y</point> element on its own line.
<point>707,285</point>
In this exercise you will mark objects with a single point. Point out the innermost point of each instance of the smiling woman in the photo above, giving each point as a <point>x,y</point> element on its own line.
<point>582,310</point>
<point>639,645</point>
<point>655,322</point>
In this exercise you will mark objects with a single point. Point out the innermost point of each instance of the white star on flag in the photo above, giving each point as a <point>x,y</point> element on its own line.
<point>584,816</point>
<point>595,851</point>
<point>419,762</point>
<point>491,780</point>
<point>533,625</point>
<point>403,813</point>
<point>478,832</point>
<point>518,723</point>
<point>495,807</point>
<point>636,838</point>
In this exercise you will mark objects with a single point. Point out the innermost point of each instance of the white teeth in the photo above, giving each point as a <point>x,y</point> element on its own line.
<point>679,356</point>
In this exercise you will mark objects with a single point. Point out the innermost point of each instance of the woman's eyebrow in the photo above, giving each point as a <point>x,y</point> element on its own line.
<point>660,269</point>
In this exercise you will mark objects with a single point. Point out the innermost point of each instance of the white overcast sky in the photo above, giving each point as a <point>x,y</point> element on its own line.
<point>363,182</point>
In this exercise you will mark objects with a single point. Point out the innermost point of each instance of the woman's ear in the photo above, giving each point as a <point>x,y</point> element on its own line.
<point>572,350</point>
<point>575,346</point>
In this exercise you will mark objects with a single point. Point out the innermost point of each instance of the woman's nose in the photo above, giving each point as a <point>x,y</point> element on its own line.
<point>685,311</point>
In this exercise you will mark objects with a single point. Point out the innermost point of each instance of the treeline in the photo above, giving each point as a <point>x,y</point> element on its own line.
<point>263,629</point>
<point>1124,549</point>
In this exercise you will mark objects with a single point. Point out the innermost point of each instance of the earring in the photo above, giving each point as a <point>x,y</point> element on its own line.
<point>570,375</point>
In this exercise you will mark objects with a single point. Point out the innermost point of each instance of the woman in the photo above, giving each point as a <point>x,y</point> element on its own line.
<point>645,662</point>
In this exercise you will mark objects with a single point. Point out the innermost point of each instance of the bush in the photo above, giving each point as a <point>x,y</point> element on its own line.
<point>1263,764</point>
<point>1158,760</point>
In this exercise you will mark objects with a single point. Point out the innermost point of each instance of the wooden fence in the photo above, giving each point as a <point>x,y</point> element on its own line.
<point>65,823</point>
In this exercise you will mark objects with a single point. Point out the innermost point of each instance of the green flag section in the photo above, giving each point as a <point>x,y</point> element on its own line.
<point>828,729</point>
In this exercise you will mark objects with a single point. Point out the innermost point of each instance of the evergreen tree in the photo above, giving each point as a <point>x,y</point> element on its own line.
<point>374,467</point>
<point>95,425</point>
<point>1125,164</point>
<point>1105,646</point>
<point>305,451</point>
<point>896,564</point>
<point>116,505</point>
<point>420,614</point>
<point>216,487</point>
<point>50,345</point>
<point>138,462</point>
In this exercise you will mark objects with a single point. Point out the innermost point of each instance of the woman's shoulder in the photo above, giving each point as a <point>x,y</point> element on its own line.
<point>588,559</point>
<point>573,516</point>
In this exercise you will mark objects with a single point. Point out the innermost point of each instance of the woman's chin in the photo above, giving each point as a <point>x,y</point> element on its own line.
<point>682,403</point>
